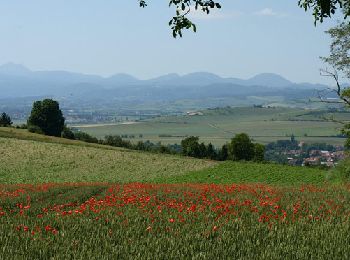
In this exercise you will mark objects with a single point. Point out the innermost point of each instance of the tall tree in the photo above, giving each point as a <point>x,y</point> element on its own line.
<point>5,120</point>
<point>47,116</point>
<point>241,147</point>
<point>339,59</point>
<point>190,146</point>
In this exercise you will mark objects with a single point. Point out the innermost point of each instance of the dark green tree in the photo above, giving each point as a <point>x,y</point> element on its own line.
<point>5,120</point>
<point>190,146</point>
<point>259,152</point>
<point>202,151</point>
<point>223,153</point>
<point>211,153</point>
<point>47,116</point>
<point>241,148</point>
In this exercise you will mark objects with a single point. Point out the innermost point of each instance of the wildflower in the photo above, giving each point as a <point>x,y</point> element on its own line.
<point>48,228</point>
<point>171,220</point>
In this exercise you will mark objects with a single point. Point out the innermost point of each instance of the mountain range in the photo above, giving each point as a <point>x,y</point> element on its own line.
<point>18,81</point>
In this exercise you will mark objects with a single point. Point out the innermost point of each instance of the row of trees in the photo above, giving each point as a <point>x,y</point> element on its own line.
<point>240,148</point>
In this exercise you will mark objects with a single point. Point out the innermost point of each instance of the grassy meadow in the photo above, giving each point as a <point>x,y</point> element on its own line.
<point>218,126</point>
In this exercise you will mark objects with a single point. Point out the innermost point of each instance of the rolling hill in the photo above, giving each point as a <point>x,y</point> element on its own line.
<point>33,158</point>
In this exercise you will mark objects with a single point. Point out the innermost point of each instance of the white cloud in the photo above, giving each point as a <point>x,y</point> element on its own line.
<point>266,12</point>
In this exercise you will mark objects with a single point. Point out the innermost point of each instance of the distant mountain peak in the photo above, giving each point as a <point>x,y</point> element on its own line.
<point>11,68</point>
<point>269,80</point>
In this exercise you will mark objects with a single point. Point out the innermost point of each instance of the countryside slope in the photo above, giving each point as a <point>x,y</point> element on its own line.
<point>31,158</point>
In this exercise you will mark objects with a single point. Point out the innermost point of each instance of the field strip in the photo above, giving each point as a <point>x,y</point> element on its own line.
<point>107,124</point>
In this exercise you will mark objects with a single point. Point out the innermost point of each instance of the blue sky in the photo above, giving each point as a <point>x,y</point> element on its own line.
<point>106,37</point>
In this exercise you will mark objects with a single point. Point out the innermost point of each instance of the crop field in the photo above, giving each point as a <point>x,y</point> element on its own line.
<point>26,161</point>
<point>249,172</point>
<point>218,126</point>
<point>62,199</point>
<point>173,221</point>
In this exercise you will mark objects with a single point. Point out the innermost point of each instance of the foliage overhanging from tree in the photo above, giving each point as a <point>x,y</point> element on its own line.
<point>339,57</point>
<point>321,9</point>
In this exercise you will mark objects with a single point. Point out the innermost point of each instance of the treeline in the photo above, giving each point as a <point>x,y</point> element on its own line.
<point>240,148</point>
<point>118,141</point>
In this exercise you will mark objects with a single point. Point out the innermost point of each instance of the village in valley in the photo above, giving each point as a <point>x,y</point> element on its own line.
<point>302,154</point>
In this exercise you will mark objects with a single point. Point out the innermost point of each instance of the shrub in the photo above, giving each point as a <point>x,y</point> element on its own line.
<point>35,129</point>
<point>85,137</point>
<point>68,133</point>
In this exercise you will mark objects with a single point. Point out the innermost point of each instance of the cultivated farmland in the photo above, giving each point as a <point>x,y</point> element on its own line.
<point>195,221</point>
<point>25,161</point>
<point>219,125</point>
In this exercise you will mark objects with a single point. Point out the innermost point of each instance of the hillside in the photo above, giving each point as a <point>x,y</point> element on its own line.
<point>27,161</point>
<point>32,158</point>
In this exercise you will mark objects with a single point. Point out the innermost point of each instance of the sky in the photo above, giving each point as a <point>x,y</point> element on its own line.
<point>106,37</point>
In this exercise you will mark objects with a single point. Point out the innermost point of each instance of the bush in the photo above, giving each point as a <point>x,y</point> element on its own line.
<point>117,141</point>
<point>35,129</point>
<point>341,172</point>
<point>85,137</point>
<point>22,126</point>
<point>68,133</point>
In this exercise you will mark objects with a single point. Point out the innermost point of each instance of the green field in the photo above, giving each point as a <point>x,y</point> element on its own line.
<point>218,126</point>
<point>248,172</point>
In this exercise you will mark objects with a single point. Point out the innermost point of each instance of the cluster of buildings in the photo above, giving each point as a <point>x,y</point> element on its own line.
<point>315,157</point>
<point>326,158</point>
